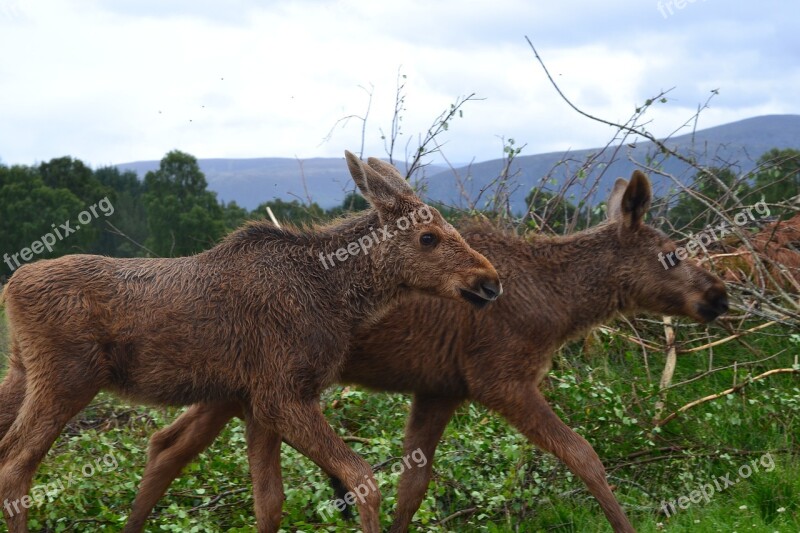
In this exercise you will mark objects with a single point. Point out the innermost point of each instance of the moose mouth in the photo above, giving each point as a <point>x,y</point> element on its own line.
<point>475,299</point>
<point>479,299</point>
<point>709,312</point>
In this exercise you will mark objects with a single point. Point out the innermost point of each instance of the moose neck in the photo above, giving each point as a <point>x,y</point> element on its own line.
<point>578,280</point>
<point>324,266</point>
<point>366,281</point>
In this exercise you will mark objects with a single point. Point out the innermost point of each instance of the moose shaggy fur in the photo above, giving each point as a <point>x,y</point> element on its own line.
<point>258,320</point>
<point>445,354</point>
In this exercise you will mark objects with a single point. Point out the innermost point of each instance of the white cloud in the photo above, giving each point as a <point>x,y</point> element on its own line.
<point>128,80</point>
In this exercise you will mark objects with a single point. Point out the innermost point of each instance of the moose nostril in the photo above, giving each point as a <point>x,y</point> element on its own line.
<point>491,289</point>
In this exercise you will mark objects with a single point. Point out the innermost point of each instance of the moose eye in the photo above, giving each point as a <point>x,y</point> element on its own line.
<point>428,239</point>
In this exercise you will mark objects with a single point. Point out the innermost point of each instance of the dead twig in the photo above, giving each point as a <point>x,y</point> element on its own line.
<point>669,366</point>
<point>218,497</point>
<point>119,232</point>
<point>462,512</point>
<point>729,338</point>
<point>352,438</point>
<point>731,390</point>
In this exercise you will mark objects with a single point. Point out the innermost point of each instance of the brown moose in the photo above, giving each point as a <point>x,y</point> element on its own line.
<point>445,354</point>
<point>259,319</point>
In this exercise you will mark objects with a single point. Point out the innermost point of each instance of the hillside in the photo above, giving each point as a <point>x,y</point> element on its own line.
<point>252,181</point>
<point>738,143</point>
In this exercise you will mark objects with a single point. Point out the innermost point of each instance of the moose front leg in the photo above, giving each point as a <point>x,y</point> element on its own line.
<point>429,417</point>
<point>264,457</point>
<point>303,425</point>
<point>524,406</point>
<point>12,392</point>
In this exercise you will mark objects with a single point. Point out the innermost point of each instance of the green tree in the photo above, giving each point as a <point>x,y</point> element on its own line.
<point>352,202</point>
<point>691,214</point>
<point>778,177</point>
<point>33,214</point>
<point>292,212</point>
<point>75,176</point>
<point>129,231</point>
<point>183,216</point>
<point>234,215</point>
<point>549,210</point>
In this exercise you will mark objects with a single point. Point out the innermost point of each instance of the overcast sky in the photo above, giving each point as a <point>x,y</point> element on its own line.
<point>119,81</point>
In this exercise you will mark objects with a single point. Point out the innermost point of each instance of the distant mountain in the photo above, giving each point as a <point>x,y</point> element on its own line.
<point>252,181</point>
<point>739,144</point>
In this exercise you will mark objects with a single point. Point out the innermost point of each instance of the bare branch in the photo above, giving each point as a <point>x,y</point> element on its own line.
<point>731,390</point>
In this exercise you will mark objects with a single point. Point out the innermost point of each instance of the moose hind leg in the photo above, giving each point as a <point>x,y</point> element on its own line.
<point>525,407</point>
<point>46,409</point>
<point>429,417</point>
<point>171,449</point>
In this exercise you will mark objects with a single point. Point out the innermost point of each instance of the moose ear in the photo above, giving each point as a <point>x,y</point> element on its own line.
<point>375,188</point>
<point>636,200</point>
<point>614,204</point>
<point>391,174</point>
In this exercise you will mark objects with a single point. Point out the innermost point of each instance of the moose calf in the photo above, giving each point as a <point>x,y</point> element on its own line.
<point>555,289</point>
<point>257,320</point>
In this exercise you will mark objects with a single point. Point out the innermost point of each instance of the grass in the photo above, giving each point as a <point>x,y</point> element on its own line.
<point>484,469</point>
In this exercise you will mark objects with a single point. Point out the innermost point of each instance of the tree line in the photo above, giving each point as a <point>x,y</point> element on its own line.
<point>172,213</point>
<point>775,181</point>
